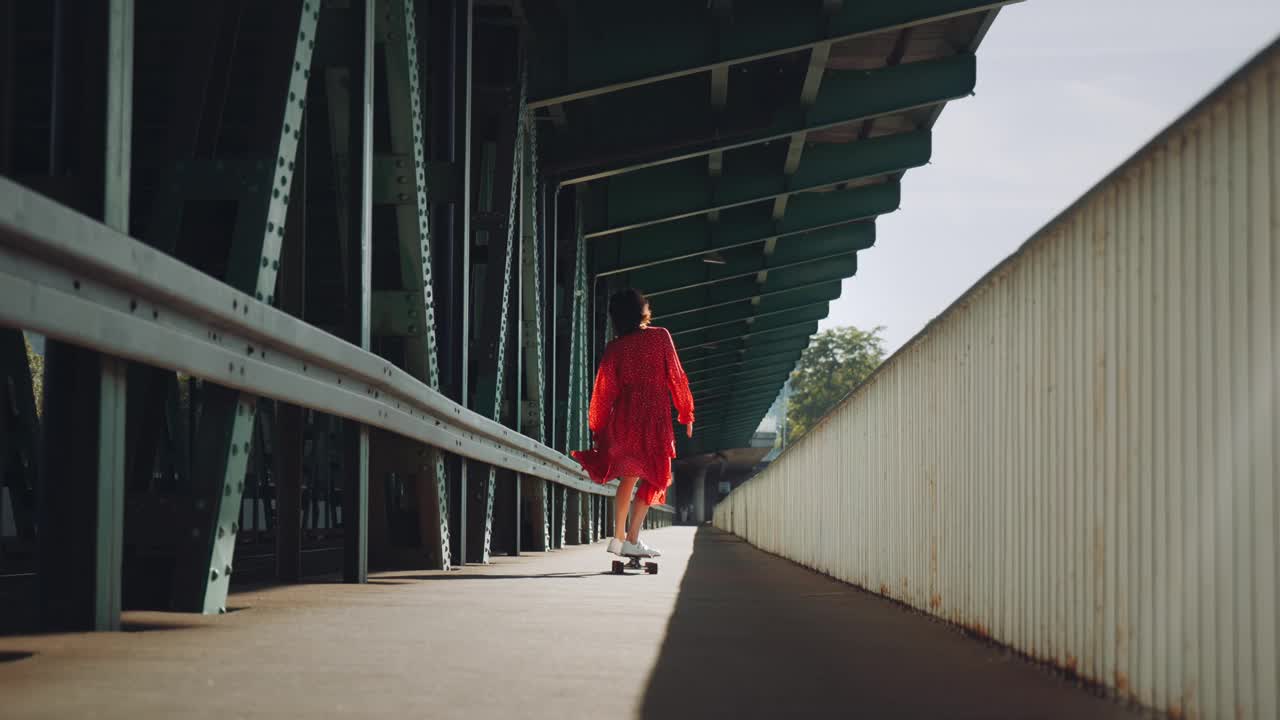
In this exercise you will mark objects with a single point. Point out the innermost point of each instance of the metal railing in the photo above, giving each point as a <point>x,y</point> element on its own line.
<point>73,279</point>
<point>1079,458</point>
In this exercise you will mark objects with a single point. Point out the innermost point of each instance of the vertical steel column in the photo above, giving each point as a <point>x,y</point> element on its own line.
<point>531,370</point>
<point>227,420</point>
<point>355,512</point>
<point>82,493</point>
<point>408,136</point>
<point>289,419</point>
<point>113,400</point>
<point>498,280</point>
<point>463,299</point>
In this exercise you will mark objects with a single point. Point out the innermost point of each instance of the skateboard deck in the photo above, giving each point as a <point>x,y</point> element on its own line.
<point>620,568</point>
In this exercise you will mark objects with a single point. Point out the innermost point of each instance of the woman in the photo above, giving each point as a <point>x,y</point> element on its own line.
<point>630,418</point>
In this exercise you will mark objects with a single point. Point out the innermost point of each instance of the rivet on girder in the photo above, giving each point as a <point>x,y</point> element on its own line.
<point>234,528</point>
<point>213,574</point>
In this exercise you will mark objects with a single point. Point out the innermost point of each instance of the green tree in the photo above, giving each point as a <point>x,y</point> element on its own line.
<point>835,363</point>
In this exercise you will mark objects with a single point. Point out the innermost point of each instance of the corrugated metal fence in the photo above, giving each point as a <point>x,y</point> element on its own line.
<point>1079,458</point>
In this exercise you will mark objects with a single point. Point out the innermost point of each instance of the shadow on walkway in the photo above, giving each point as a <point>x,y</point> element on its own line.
<point>756,636</point>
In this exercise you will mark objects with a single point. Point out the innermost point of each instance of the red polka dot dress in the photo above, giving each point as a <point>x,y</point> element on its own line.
<point>640,377</point>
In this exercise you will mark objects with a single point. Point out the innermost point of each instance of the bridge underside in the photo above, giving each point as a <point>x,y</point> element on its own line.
<point>216,214</point>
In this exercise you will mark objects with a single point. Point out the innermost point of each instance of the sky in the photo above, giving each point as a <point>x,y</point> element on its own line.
<point>1067,90</point>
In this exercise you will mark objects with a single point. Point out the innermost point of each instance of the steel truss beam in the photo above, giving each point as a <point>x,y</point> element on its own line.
<point>749,374</point>
<point>727,362</point>
<point>823,255</point>
<point>607,59</point>
<point>748,309</point>
<point>760,326</point>
<point>673,192</point>
<point>503,241</point>
<point>741,227</point>
<point>398,35</point>
<point>845,97</point>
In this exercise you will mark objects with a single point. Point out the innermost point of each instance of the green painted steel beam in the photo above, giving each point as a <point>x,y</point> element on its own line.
<point>608,47</point>
<point>763,341</point>
<point>747,419</point>
<point>751,294</point>
<point>832,247</point>
<point>749,320</point>
<point>756,327</point>
<point>725,397</point>
<point>745,375</point>
<point>757,337</point>
<point>750,225</point>
<point>790,276</point>
<point>749,415</point>
<point>845,96</point>
<point>671,192</point>
<point>747,309</point>
<point>720,362</point>
<point>771,376</point>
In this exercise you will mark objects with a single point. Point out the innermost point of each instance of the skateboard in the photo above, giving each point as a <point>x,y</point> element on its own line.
<point>620,568</point>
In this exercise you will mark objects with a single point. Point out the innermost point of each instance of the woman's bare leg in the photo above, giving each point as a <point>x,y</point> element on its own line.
<point>620,503</point>
<point>638,510</point>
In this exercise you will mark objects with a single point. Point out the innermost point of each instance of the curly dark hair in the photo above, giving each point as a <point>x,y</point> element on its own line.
<point>629,311</point>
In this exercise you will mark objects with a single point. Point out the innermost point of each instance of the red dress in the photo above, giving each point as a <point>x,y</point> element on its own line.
<point>639,378</point>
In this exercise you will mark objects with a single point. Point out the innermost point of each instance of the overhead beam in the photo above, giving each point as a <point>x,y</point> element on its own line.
<point>672,192</point>
<point>763,336</point>
<point>695,237</point>
<point>741,372</point>
<point>755,327</point>
<point>833,286</point>
<point>734,358</point>
<point>770,376</point>
<point>739,396</point>
<point>628,135</point>
<point>746,344</point>
<point>725,414</point>
<point>826,265</point>
<point>605,53</point>
<point>691,322</point>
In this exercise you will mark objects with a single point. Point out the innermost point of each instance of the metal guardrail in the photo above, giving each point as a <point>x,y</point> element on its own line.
<point>1078,459</point>
<point>74,279</point>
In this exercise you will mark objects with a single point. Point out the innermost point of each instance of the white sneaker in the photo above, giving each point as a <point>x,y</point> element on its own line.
<point>651,552</point>
<point>615,546</point>
<point>634,550</point>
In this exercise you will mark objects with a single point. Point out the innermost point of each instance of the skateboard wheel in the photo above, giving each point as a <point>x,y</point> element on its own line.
<point>651,568</point>
<point>617,567</point>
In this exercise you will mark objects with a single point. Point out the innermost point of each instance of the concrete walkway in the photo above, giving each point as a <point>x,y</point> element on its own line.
<point>723,630</point>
